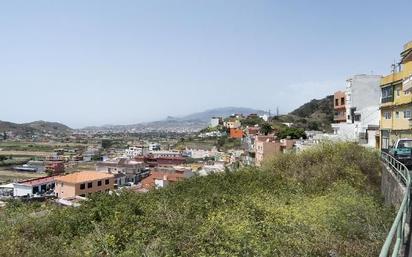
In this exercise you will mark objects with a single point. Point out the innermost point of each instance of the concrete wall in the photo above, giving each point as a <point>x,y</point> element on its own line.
<point>67,190</point>
<point>362,91</point>
<point>22,190</point>
<point>392,189</point>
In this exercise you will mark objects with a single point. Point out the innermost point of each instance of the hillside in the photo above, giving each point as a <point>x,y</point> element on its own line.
<point>36,127</point>
<point>321,202</point>
<point>314,115</point>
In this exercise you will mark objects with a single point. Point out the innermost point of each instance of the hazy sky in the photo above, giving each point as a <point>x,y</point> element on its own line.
<point>120,62</point>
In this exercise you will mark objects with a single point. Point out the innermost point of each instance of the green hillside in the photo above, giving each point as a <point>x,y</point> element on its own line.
<point>322,201</point>
<point>314,115</point>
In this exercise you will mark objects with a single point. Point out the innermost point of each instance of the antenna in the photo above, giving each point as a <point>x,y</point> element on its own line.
<point>393,66</point>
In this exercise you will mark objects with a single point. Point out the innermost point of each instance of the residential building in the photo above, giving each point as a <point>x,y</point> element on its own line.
<point>232,123</point>
<point>215,121</point>
<point>130,168</point>
<point>236,133</point>
<point>201,153</point>
<point>159,179</point>
<point>83,184</point>
<point>154,147</point>
<point>253,131</point>
<point>120,180</point>
<point>396,101</point>
<point>360,105</point>
<point>37,186</point>
<point>55,167</point>
<point>339,105</point>
<point>160,154</point>
<point>134,151</point>
<point>267,146</point>
<point>151,161</point>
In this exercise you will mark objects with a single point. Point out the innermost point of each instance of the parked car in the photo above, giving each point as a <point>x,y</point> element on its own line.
<point>402,151</point>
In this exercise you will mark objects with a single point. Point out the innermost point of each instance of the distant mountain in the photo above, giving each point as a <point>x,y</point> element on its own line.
<point>36,127</point>
<point>221,112</point>
<point>189,123</point>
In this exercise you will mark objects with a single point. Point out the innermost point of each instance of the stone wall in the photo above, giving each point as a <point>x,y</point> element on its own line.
<point>392,189</point>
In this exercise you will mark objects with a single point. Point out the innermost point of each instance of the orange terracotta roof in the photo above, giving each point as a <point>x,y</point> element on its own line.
<point>84,176</point>
<point>149,182</point>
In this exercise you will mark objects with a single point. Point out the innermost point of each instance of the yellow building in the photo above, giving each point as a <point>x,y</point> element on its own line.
<point>396,102</point>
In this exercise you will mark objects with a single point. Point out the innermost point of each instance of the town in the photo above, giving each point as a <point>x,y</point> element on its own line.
<point>372,110</point>
<point>205,128</point>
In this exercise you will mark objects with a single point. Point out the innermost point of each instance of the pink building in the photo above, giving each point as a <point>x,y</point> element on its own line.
<point>267,146</point>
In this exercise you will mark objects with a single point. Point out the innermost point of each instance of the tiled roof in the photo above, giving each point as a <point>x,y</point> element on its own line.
<point>84,176</point>
<point>38,181</point>
<point>149,182</point>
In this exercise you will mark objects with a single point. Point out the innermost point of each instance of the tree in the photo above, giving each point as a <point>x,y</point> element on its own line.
<point>266,128</point>
<point>293,133</point>
<point>252,121</point>
<point>106,143</point>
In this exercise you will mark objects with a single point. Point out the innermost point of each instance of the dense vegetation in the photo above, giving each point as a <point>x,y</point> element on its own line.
<point>314,115</point>
<point>315,203</point>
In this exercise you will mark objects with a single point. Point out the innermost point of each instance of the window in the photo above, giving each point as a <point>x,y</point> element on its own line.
<point>397,115</point>
<point>82,186</point>
<point>407,114</point>
<point>62,184</point>
<point>89,185</point>
<point>106,182</point>
<point>336,102</point>
<point>387,94</point>
<point>99,183</point>
<point>398,92</point>
<point>83,195</point>
<point>342,101</point>
<point>387,115</point>
<point>357,117</point>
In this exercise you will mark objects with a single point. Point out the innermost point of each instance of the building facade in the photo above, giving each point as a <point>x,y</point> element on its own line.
<point>215,121</point>
<point>396,101</point>
<point>37,186</point>
<point>268,146</point>
<point>83,184</point>
<point>339,105</point>
<point>360,105</point>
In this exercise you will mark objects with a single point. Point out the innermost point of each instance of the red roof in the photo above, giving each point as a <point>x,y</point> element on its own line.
<point>149,182</point>
<point>38,181</point>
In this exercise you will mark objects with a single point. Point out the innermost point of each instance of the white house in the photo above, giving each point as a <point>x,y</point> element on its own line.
<point>362,110</point>
<point>37,186</point>
<point>215,121</point>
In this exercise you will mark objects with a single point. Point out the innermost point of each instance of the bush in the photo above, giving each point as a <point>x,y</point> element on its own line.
<point>308,204</point>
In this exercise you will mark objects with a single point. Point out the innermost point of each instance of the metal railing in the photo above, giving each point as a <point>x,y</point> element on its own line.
<point>397,236</point>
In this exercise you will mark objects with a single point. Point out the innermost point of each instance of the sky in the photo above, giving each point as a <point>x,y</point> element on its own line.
<point>101,62</point>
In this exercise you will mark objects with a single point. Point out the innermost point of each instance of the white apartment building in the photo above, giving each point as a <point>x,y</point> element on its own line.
<point>362,110</point>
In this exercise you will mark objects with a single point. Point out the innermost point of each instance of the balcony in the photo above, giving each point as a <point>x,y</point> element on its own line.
<point>339,118</point>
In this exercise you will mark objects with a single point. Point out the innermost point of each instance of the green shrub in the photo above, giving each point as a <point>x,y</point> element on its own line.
<point>306,204</point>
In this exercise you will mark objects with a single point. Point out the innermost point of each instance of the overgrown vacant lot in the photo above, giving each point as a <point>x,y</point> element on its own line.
<point>321,201</point>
